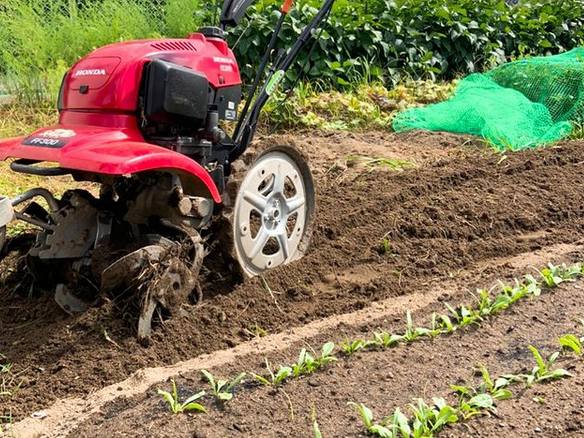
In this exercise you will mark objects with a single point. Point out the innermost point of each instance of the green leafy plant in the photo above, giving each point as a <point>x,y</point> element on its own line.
<point>429,420</point>
<point>476,405</point>
<point>273,379</point>
<point>306,363</point>
<point>177,407</point>
<point>543,371</point>
<point>222,389</point>
<point>385,340</point>
<point>368,420</point>
<point>555,275</point>
<point>351,347</point>
<point>571,342</point>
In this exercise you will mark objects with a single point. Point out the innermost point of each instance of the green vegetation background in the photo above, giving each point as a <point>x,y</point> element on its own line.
<point>371,40</point>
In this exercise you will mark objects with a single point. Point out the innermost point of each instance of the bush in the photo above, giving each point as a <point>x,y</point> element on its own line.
<point>385,40</point>
<point>420,39</point>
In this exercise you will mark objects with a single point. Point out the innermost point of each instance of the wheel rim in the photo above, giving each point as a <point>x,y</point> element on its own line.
<point>273,212</point>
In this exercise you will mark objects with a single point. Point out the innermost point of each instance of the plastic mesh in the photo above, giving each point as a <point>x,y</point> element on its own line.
<point>519,105</point>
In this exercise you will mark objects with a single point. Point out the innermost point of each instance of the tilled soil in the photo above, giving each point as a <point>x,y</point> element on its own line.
<point>446,220</point>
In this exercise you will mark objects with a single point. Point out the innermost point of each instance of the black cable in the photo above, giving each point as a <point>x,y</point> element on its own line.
<point>302,72</point>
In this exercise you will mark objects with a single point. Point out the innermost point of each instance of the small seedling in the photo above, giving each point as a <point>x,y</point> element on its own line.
<point>385,340</point>
<point>351,347</point>
<point>8,380</point>
<point>385,248</point>
<point>497,389</point>
<point>189,404</point>
<point>555,275</point>
<point>543,372</point>
<point>222,389</point>
<point>306,363</point>
<point>368,420</point>
<point>430,420</point>
<point>273,379</point>
<point>412,333</point>
<point>476,405</point>
<point>255,331</point>
<point>571,342</point>
<point>316,429</point>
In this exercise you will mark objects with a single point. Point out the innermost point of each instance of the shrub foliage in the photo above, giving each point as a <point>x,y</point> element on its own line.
<point>369,39</point>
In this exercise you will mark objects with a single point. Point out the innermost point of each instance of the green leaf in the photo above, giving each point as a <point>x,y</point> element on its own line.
<point>365,412</point>
<point>168,397</point>
<point>235,381</point>
<point>502,394</point>
<point>571,342</point>
<point>446,415</point>
<point>540,362</point>
<point>327,349</point>
<point>383,432</point>
<point>194,397</point>
<point>194,407</point>
<point>210,378</point>
<point>481,401</point>
<point>401,421</point>
<point>225,396</point>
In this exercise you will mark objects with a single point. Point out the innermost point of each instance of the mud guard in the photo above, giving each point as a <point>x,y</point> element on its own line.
<point>111,152</point>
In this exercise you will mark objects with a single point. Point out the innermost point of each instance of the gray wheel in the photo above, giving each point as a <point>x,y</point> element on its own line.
<point>274,211</point>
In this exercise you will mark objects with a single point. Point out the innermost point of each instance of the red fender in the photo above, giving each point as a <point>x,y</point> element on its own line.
<point>108,151</point>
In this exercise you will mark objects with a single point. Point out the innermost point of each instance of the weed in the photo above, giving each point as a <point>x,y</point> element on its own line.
<point>385,248</point>
<point>379,163</point>
<point>189,404</point>
<point>9,384</point>
<point>273,379</point>
<point>222,389</point>
<point>257,332</point>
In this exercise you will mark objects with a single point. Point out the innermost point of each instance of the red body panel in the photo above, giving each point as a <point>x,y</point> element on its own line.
<point>108,151</point>
<point>109,78</point>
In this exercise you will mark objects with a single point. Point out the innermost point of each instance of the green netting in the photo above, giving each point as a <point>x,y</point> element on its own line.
<point>519,105</point>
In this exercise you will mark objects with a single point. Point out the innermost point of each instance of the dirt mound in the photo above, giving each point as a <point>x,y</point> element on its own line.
<point>379,233</point>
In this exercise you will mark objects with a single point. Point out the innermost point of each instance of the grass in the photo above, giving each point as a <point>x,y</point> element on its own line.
<point>40,39</point>
<point>9,383</point>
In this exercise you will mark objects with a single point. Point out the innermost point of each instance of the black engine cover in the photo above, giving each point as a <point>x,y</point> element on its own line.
<point>175,95</point>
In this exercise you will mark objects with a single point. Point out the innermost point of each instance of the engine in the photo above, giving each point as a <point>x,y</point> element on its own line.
<point>178,90</point>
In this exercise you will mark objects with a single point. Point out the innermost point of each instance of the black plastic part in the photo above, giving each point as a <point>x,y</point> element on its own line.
<point>227,100</point>
<point>233,11</point>
<point>175,94</point>
<point>212,32</point>
<point>27,166</point>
